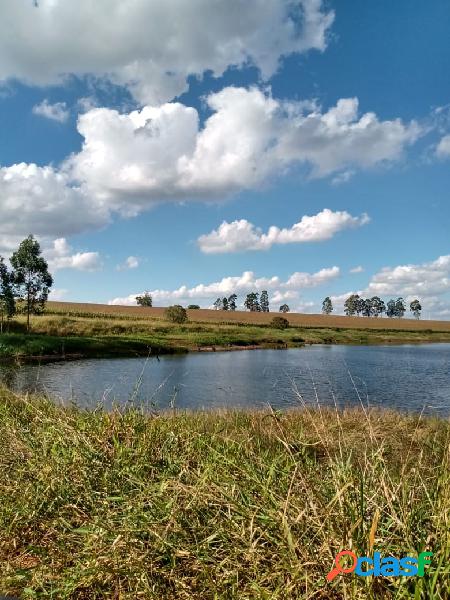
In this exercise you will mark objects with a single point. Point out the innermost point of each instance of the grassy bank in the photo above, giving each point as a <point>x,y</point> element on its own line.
<point>120,335</point>
<point>217,506</point>
<point>45,346</point>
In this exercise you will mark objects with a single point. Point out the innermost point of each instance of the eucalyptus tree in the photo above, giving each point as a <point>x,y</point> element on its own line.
<point>264,301</point>
<point>400,308</point>
<point>31,279</point>
<point>327,306</point>
<point>378,306</point>
<point>232,302</point>
<point>7,304</point>
<point>351,305</point>
<point>391,309</point>
<point>252,302</point>
<point>415,307</point>
<point>367,308</point>
<point>144,300</point>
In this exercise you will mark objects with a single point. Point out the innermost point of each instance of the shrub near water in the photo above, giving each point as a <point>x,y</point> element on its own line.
<point>176,314</point>
<point>279,323</point>
<point>236,505</point>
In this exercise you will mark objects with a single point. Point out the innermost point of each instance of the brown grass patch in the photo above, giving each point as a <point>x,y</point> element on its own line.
<point>249,318</point>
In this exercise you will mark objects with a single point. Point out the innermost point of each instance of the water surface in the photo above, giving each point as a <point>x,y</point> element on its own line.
<point>408,377</point>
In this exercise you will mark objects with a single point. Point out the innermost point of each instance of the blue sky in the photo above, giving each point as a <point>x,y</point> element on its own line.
<point>274,144</point>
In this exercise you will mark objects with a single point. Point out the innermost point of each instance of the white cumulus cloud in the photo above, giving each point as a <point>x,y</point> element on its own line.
<point>132,262</point>
<point>61,256</point>
<point>358,269</point>
<point>443,148</point>
<point>241,284</point>
<point>39,200</point>
<point>57,294</point>
<point>427,281</point>
<point>54,112</point>
<point>152,46</point>
<point>242,235</point>
<point>130,161</point>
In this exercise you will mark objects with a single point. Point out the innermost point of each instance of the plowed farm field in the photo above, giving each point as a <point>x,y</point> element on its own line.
<point>248,318</point>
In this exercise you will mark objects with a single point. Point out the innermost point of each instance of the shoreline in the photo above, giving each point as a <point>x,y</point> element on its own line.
<point>63,337</point>
<point>180,350</point>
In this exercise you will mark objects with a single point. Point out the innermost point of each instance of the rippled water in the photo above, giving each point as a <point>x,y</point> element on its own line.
<point>402,377</point>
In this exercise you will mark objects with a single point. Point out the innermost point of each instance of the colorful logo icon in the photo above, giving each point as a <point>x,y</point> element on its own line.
<point>389,566</point>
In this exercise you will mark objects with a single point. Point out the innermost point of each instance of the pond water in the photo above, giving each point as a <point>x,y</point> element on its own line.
<point>407,377</point>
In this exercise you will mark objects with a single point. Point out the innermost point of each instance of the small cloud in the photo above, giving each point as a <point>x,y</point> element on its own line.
<point>358,269</point>
<point>55,112</point>
<point>443,148</point>
<point>132,262</point>
<point>342,177</point>
<point>61,257</point>
<point>57,294</point>
<point>87,103</point>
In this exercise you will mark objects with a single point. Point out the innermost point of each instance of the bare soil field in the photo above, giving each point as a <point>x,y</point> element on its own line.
<point>250,318</point>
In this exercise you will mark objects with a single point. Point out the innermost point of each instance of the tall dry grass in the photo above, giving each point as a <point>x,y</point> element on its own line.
<point>231,505</point>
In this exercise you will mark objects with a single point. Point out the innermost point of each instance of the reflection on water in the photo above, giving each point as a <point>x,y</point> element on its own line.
<point>403,377</point>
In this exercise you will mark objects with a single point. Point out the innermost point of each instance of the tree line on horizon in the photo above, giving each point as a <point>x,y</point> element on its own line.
<point>254,302</point>
<point>354,305</point>
<point>374,307</point>
<point>25,287</point>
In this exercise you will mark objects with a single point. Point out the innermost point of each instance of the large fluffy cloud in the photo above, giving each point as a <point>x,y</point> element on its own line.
<point>247,282</point>
<point>242,235</point>
<point>152,46</point>
<point>39,200</point>
<point>133,160</point>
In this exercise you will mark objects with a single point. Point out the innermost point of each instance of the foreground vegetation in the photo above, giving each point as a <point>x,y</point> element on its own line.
<point>97,335</point>
<point>243,505</point>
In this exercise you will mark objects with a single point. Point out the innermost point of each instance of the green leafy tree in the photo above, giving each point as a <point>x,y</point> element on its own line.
<point>7,304</point>
<point>144,300</point>
<point>264,301</point>
<point>232,302</point>
<point>391,309</point>
<point>352,305</point>
<point>400,308</point>
<point>193,306</point>
<point>218,304</point>
<point>176,314</point>
<point>284,308</point>
<point>225,304</point>
<point>32,281</point>
<point>378,306</point>
<point>279,323</point>
<point>327,306</point>
<point>415,307</point>
<point>359,304</point>
<point>252,302</point>
<point>367,308</point>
